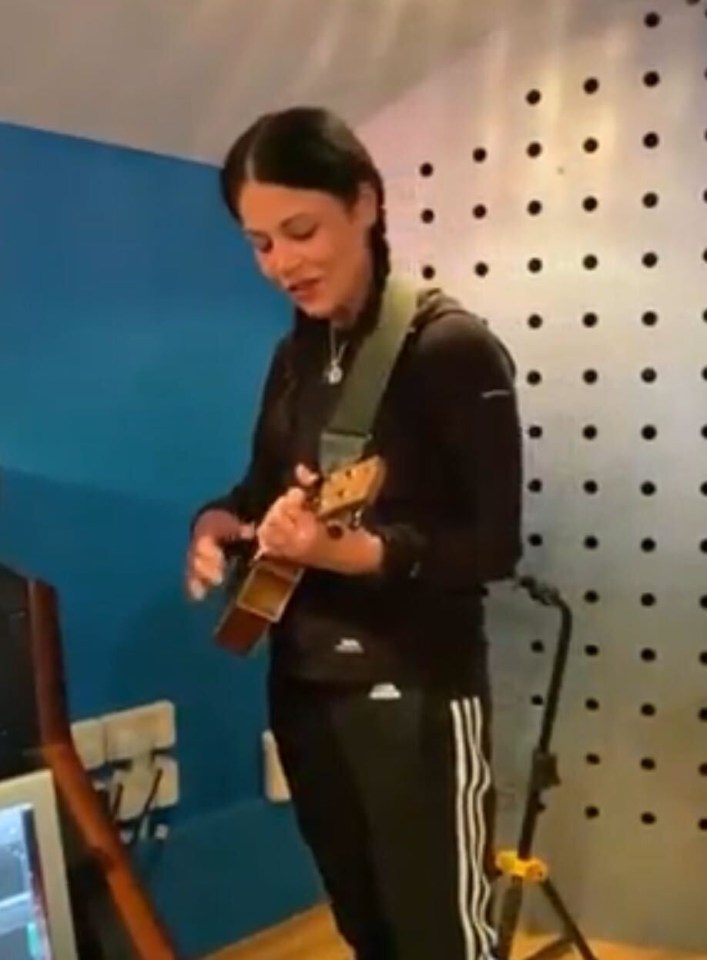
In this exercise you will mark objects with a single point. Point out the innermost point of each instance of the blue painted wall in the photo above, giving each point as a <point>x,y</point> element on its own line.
<point>134,337</point>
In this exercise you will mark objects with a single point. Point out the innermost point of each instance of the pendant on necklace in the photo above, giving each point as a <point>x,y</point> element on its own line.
<point>334,373</point>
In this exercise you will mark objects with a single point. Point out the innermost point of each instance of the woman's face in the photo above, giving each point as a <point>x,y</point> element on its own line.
<point>310,244</point>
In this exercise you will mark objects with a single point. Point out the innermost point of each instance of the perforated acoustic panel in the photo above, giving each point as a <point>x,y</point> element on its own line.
<point>557,180</point>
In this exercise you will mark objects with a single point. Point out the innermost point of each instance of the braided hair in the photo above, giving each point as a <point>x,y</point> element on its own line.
<point>310,148</point>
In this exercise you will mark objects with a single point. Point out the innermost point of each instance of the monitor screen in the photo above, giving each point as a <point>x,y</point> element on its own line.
<point>35,920</point>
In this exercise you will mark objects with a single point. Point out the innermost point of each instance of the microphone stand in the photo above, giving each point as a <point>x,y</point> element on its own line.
<point>520,866</point>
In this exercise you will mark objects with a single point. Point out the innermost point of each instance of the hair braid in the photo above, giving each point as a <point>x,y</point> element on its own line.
<point>380,250</point>
<point>380,255</point>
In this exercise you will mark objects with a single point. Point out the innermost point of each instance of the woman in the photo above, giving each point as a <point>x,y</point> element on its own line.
<point>378,685</point>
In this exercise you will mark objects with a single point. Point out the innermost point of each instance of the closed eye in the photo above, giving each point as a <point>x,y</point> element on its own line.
<point>297,230</point>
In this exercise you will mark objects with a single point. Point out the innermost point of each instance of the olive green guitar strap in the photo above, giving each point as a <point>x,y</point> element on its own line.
<point>349,429</point>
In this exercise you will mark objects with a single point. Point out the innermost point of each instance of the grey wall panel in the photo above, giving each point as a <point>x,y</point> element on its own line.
<point>613,374</point>
<point>182,77</point>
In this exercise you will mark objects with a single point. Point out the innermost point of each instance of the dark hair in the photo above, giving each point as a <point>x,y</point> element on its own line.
<point>308,148</point>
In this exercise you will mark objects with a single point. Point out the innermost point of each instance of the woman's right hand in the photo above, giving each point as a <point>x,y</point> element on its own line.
<point>206,563</point>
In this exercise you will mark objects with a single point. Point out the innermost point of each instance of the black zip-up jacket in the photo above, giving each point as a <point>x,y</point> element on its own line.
<point>449,512</point>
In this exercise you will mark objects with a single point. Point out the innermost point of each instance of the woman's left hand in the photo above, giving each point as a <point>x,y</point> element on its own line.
<point>290,530</point>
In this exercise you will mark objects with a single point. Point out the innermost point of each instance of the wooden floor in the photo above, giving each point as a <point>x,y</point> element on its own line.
<point>312,936</point>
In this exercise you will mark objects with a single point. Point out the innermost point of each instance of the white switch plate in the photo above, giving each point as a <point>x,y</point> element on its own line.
<point>139,731</point>
<point>168,790</point>
<point>277,789</point>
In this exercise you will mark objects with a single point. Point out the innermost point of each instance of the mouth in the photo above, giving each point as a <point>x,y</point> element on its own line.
<point>304,289</point>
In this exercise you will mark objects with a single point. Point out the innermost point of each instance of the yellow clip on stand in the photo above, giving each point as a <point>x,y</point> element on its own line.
<point>533,870</point>
<point>519,866</point>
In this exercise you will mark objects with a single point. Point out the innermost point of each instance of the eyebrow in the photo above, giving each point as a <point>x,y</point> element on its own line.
<point>284,223</point>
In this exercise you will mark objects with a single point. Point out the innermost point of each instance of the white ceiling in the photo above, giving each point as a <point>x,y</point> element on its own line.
<point>180,77</point>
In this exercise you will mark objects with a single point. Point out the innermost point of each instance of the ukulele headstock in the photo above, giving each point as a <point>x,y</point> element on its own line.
<point>350,488</point>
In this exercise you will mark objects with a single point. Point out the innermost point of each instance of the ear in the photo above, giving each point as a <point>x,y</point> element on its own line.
<point>367,206</point>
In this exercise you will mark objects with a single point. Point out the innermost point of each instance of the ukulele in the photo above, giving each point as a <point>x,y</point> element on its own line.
<point>264,585</point>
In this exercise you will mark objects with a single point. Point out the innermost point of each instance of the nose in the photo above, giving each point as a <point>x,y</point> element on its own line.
<point>282,263</point>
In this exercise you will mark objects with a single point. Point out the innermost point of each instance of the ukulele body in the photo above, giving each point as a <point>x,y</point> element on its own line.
<point>264,585</point>
<point>261,599</point>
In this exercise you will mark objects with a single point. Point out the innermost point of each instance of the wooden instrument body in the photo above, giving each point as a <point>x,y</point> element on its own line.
<point>264,585</point>
<point>113,914</point>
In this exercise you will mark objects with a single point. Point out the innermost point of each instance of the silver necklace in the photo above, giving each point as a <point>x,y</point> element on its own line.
<point>334,372</point>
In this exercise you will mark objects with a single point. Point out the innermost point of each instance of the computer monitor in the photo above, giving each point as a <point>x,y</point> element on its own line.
<point>35,915</point>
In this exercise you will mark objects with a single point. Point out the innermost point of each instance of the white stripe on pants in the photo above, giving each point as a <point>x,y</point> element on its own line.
<point>473,780</point>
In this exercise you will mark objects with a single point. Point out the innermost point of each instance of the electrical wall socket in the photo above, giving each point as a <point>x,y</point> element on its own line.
<point>139,731</point>
<point>137,782</point>
<point>134,785</point>
<point>89,740</point>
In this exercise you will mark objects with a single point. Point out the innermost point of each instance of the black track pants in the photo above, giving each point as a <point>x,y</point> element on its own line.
<point>392,793</point>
